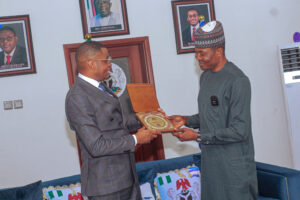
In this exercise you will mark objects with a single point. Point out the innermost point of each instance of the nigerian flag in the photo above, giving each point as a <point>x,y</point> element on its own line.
<point>55,193</point>
<point>63,193</point>
<point>164,179</point>
<point>90,7</point>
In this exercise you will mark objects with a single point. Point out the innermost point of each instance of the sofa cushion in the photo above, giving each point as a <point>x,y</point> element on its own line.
<point>146,191</point>
<point>148,170</point>
<point>65,192</point>
<point>32,191</point>
<point>180,183</point>
<point>146,175</point>
<point>272,185</point>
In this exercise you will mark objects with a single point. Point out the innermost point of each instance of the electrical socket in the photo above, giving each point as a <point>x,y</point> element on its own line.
<point>18,104</point>
<point>8,105</point>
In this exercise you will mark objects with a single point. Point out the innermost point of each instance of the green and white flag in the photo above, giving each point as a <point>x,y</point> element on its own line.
<point>161,180</point>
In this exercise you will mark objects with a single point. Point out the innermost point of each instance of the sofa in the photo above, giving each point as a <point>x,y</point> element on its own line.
<point>274,182</point>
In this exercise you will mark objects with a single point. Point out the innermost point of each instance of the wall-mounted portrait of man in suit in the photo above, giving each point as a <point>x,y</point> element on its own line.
<point>104,17</point>
<point>191,18</point>
<point>13,50</point>
<point>16,51</point>
<point>188,17</point>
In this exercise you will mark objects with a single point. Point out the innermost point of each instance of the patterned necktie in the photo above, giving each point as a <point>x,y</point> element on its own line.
<point>193,35</point>
<point>104,89</point>
<point>8,59</point>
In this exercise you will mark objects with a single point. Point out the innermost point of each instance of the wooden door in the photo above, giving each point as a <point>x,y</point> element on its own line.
<point>133,56</point>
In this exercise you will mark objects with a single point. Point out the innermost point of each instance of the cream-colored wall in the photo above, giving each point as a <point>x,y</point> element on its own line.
<point>36,143</point>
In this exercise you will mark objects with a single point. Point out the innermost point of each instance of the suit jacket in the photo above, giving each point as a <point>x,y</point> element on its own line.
<point>106,145</point>
<point>186,36</point>
<point>19,57</point>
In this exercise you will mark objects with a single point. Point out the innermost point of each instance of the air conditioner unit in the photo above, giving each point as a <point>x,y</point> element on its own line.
<point>290,75</point>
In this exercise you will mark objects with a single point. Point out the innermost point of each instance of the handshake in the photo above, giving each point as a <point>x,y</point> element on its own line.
<point>144,135</point>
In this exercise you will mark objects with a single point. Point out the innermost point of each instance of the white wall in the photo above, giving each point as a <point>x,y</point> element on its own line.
<point>36,143</point>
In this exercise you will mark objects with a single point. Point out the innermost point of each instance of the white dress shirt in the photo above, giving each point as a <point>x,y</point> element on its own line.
<point>197,26</point>
<point>10,54</point>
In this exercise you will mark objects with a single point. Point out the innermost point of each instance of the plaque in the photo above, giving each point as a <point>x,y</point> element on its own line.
<point>145,104</point>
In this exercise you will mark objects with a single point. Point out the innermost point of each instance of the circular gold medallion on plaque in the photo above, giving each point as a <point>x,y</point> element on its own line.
<point>156,122</point>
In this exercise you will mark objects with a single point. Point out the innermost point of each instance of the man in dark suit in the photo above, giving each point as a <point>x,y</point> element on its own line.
<point>107,148</point>
<point>188,33</point>
<point>12,53</point>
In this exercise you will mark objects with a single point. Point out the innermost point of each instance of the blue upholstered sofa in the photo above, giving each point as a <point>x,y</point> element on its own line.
<point>273,182</point>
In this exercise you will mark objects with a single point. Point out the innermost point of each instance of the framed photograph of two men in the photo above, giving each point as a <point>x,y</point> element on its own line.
<point>16,51</point>
<point>104,17</point>
<point>189,15</point>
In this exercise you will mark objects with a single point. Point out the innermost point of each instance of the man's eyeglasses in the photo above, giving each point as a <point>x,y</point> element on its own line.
<point>9,38</point>
<point>107,60</point>
<point>194,15</point>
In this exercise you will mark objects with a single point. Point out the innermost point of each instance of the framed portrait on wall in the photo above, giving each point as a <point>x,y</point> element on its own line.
<point>16,51</point>
<point>188,16</point>
<point>104,17</point>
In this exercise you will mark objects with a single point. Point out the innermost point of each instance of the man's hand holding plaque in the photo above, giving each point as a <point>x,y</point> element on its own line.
<point>177,120</point>
<point>183,134</point>
<point>145,136</point>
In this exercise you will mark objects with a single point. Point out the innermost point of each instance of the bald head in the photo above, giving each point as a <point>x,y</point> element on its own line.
<point>85,52</point>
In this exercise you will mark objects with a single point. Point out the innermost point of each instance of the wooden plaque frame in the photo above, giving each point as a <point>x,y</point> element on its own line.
<point>147,111</point>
